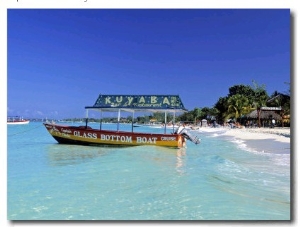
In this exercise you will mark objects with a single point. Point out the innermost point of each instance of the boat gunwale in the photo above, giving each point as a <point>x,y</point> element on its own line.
<point>83,128</point>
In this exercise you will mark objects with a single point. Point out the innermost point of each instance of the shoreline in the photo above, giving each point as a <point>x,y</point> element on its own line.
<point>269,140</point>
<point>279,134</point>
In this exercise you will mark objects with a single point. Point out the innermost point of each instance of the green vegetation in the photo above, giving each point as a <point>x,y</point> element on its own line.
<point>242,100</point>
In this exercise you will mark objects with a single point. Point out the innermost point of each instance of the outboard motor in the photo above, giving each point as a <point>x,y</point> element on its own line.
<point>179,130</point>
<point>186,134</point>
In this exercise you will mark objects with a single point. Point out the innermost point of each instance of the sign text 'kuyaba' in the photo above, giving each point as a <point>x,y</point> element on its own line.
<point>139,101</point>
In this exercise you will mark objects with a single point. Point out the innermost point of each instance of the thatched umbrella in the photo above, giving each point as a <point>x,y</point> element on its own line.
<point>265,115</point>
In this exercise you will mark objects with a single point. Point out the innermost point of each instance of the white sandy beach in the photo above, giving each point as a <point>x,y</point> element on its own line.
<point>270,140</point>
<point>278,134</point>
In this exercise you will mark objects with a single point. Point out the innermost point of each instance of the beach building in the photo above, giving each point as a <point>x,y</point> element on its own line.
<point>204,123</point>
<point>267,115</point>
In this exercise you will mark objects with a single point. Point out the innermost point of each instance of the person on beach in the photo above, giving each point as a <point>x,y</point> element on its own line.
<point>273,123</point>
<point>251,124</point>
<point>247,124</point>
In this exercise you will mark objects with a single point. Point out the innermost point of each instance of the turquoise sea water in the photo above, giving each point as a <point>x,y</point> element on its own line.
<point>220,179</point>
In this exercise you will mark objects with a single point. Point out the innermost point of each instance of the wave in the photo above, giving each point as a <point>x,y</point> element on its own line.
<point>279,159</point>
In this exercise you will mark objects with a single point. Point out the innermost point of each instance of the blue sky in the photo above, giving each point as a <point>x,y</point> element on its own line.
<point>60,60</point>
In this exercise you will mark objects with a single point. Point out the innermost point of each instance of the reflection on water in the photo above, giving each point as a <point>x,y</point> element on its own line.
<point>61,154</point>
<point>170,156</point>
<point>180,161</point>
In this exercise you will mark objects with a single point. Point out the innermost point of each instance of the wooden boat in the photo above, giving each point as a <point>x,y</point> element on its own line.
<point>86,135</point>
<point>16,121</point>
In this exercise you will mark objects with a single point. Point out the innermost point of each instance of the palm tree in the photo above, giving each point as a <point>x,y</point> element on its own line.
<point>197,113</point>
<point>221,106</point>
<point>260,99</point>
<point>237,105</point>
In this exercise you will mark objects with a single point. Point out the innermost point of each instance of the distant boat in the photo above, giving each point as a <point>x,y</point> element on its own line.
<point>17,121</point>
<point>85,135</point>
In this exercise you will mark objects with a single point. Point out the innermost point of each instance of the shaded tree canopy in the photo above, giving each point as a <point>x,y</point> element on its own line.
<point>237,105</point>
<point>240,101</point>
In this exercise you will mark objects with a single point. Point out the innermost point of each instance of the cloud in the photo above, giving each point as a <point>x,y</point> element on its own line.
<point>38,113</point>
<point>10,110</point>
<point>55,113</point>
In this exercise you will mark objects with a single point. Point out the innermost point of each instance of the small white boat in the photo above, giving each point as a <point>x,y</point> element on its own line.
<point>17,121</point>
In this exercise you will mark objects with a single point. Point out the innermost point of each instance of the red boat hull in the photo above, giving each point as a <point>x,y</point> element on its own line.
<point>87,136</point>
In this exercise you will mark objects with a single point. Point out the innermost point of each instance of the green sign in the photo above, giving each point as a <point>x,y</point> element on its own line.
<point>139,102</point>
